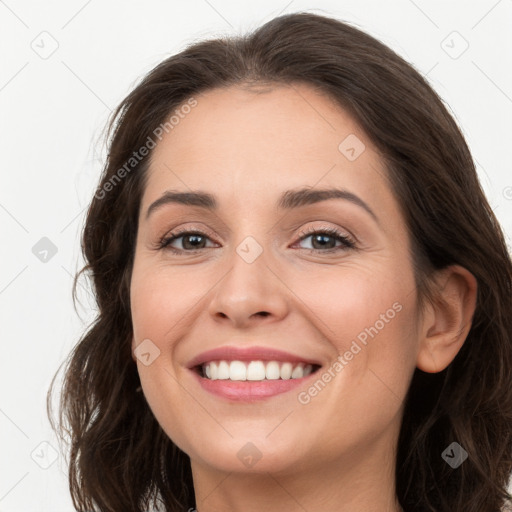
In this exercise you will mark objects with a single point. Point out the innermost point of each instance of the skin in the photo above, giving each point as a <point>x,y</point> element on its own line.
<point>337,452</point>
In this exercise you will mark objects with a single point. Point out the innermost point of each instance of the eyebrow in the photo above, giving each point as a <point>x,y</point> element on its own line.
<point>289,200</point>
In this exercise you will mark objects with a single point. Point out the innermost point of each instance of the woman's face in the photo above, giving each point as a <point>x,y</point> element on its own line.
<point>257,288</point>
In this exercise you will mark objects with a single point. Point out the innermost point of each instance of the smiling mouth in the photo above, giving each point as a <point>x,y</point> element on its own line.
<point>254,371</point>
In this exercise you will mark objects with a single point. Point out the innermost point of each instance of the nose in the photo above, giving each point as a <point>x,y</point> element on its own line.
<point>250,293</point>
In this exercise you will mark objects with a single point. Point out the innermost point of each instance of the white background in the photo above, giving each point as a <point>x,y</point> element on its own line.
<point>53,110</point>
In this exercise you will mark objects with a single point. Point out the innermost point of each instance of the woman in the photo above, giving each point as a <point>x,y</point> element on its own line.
<point>304,296</point>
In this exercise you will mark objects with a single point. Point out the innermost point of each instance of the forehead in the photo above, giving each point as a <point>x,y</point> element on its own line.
<point>248,146</point>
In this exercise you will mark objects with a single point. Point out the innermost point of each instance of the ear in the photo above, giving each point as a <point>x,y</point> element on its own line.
<point>447,322</point>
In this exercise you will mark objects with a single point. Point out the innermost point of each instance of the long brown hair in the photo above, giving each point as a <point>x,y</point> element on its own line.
<point>120,458</point>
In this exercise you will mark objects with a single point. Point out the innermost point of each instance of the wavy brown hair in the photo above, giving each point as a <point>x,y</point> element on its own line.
<point>120,458</point>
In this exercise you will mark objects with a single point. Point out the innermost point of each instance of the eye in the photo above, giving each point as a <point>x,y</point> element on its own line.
<point>324,240</point>
<point>192,241</point>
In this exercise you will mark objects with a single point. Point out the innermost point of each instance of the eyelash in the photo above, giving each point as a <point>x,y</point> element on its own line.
<point>347,243</point>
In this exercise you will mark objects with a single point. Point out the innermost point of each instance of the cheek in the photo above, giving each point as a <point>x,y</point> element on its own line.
<point>355,303</point>
<point>372,329</point>
<point>160,301</point>
<point>364,314</point>
<point>369,318</point>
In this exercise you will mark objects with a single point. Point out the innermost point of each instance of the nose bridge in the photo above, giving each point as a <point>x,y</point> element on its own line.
<point>250,288</point>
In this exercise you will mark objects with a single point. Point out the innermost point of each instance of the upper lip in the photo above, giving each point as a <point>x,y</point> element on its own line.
<point>231,353</point>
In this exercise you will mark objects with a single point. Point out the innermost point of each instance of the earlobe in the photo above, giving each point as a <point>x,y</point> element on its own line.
<point>448,323</point>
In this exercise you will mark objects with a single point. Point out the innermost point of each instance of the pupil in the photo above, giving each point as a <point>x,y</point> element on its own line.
<point>195,240</point>
<point>192,237</point>
<point>323,237</point>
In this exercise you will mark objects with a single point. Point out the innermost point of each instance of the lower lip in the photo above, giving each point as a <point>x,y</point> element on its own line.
<point>248,390</point>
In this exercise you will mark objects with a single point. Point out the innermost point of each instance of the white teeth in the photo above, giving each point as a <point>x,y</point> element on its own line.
<point>272,370</point>
<point>237,370</point>
<point>298,372</point>
<point>286,371</point>
<point>255,370</point>
<point>222,370</point>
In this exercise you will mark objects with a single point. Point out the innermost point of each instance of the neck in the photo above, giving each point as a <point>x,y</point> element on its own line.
<point>356,482</point>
